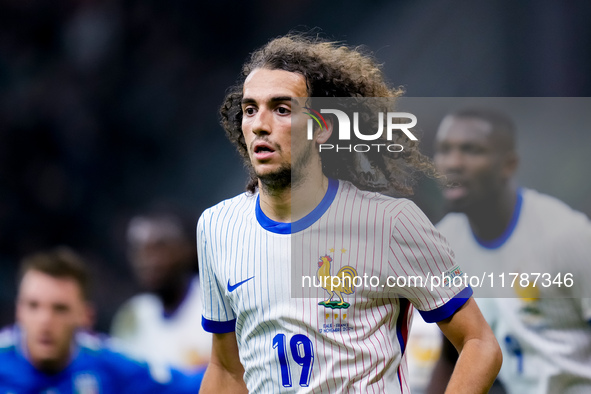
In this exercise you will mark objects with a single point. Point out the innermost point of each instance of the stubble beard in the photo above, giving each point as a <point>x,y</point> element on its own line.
<point>53,364</point>
<point>287,176</point>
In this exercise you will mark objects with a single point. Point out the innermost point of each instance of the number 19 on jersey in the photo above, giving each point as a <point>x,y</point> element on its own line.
<point>302,352</point>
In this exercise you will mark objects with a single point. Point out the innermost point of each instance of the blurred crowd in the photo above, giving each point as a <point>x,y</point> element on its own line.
<point>106,106</point>
<point>97,98</point>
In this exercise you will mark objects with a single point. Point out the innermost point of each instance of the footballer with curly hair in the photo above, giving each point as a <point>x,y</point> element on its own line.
<point>323,217</point>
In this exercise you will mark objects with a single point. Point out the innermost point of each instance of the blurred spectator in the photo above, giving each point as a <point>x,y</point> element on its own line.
<point>48,351</point>
<point>164,324</point>
<point>496,227</point>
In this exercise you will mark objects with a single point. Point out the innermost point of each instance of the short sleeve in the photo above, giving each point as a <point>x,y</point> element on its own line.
<point>418,252</point>
<point>218,316</point>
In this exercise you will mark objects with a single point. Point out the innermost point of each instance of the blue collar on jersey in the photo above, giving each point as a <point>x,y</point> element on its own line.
<point>504,237</point>
<point>303,223</point>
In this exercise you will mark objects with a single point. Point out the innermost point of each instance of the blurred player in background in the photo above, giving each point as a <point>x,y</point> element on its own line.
<point>422,353</point>
<point>48,350</point>
<point>164,324</point>
<point>494,224</point>
<point>265,340</point>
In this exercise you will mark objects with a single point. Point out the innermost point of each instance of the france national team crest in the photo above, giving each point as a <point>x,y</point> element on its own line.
<point>337,286</point>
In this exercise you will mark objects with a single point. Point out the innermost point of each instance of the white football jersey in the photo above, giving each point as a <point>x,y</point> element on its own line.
<point>177,340</point>
<point>544,331</point>
<point>325,339</point>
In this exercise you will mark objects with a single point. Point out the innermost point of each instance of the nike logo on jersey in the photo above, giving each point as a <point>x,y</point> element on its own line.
<point>231,288</point>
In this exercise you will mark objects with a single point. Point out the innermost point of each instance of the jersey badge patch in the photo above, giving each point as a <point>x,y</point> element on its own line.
<point>451,274</point>
<point>337,286</point>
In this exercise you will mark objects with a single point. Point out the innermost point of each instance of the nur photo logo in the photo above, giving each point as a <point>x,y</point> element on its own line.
<point>388,123</point>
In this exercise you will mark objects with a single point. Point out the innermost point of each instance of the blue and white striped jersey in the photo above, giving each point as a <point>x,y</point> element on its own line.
<point>327,338</point>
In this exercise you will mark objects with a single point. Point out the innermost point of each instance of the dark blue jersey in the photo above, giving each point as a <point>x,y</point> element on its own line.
<point>95,368</point>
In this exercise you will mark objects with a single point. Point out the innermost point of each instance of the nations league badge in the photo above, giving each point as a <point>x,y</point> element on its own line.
<point>450,275</point>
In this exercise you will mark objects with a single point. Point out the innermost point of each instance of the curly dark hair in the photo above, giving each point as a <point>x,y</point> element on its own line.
<point>333,70</point>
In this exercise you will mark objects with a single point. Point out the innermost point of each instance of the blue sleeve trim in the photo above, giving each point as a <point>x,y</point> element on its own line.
<point>218,327</point>
<point>448,309</point>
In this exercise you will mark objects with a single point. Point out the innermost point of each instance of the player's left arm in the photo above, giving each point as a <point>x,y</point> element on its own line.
<point>480,356</point>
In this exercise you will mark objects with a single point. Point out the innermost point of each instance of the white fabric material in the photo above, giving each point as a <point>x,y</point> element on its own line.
<point>545,337</point>
<point>178,340</point>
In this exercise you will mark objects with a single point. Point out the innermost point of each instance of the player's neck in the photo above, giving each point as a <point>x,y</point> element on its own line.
<point>296,201</point>
<point>52,367</point>
<point>489,221</point>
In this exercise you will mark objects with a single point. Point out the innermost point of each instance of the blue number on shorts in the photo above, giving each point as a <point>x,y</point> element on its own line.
<point>514,348</point>
<point>302,352</point>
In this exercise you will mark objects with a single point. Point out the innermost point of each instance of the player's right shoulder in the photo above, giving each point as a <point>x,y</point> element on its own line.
<point>229,203</point>
<point>232,209</point>
<point>105,351</point>
<point>7,339</point>
<point>13,371</point>
<point>116,359</point>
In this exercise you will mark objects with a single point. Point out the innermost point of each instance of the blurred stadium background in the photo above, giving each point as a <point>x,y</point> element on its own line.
<point>107,106</point>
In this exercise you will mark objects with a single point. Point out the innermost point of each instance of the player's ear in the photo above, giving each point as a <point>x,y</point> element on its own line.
<point>87,318</point>
<point>324,134</point>
<point>510,164</point>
